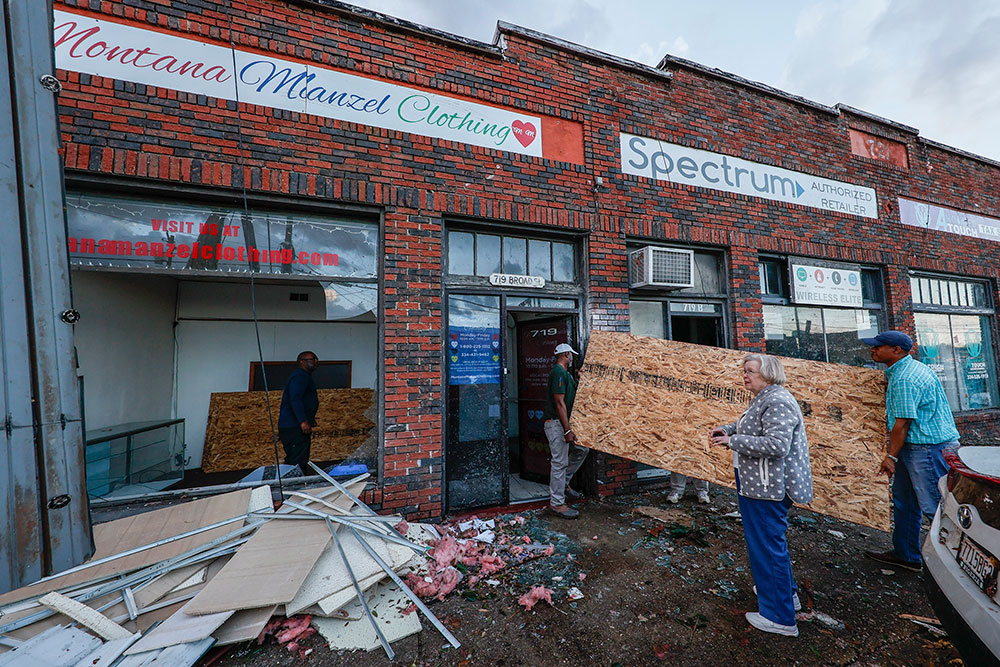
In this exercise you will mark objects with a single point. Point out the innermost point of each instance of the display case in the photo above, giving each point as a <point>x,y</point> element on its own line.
<point>134,458</point>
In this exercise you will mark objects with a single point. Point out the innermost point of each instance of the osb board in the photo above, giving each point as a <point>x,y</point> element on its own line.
<point>655,401</point>
<point>238,436</point>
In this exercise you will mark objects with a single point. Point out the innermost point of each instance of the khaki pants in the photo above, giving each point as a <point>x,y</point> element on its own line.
<point>566,460</point>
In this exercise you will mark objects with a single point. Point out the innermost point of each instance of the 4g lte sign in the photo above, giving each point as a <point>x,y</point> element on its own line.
<point>824,286</point>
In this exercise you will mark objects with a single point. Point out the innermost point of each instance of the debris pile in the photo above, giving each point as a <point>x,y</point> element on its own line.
<point>167,585</point>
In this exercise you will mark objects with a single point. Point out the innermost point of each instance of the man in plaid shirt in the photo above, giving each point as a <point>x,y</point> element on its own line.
<point>920,427</point>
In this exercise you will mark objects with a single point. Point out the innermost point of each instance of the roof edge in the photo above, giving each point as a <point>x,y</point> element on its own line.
<point>403,25</point>
<point>617,61</point>
<point>875,118</point>
<point>738,80</point>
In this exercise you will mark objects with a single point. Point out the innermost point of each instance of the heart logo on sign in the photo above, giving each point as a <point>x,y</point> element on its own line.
<point>523,132</point>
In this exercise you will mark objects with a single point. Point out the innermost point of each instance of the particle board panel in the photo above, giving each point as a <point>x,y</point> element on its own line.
<point>244,625</point>
<point>180,628</point>
<point>330,574</point>
<point>267,570</point>
<point>238,434</point>
<point>654,401</point>
<point>92,619</point>
<point>388,603</point>
<point>124,534</point>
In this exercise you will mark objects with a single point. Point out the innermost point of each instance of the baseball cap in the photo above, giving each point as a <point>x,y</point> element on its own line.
<point>890,338</point>
<point>564,347</point>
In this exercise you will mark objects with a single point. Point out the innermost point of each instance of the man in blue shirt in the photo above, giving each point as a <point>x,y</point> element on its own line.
<point>920,427</point>
<point>299,404</point>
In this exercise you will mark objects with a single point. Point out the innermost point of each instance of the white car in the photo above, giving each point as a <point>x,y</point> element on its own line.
<point>961,553</point>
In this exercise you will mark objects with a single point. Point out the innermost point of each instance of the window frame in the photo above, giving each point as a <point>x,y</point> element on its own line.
<point>989,310</point>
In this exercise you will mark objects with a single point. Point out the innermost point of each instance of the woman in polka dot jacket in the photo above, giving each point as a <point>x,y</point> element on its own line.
<point>771,456</point>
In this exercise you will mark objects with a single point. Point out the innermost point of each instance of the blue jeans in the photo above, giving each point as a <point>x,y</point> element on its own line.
<point>765,523</point>
<point>915,494</point>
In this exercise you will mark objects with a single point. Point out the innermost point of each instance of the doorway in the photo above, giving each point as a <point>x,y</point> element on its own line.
<point>497,376</point>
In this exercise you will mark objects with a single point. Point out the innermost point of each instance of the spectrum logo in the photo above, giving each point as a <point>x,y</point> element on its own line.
<point>661,161</point>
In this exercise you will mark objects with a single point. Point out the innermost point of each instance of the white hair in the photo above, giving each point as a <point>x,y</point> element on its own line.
<point>770,367</point>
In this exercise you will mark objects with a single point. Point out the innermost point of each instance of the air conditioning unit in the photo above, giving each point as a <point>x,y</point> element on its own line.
<point>670,268</point>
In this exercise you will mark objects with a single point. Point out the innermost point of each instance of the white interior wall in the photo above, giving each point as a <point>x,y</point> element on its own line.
<point>215,356</point>
<point>125,347</point>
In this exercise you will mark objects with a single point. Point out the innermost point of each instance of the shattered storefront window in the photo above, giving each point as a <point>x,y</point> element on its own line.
<point>119,232</point>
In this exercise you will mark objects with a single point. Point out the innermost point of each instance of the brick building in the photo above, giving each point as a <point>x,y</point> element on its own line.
<point>433,214</point>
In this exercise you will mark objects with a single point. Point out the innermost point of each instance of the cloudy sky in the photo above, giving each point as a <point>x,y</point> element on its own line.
<point>928,64</point>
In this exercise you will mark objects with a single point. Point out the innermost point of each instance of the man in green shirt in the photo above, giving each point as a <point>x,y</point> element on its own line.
<point>567,455</point>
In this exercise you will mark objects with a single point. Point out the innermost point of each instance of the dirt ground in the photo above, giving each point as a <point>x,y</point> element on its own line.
<point>669,592</point>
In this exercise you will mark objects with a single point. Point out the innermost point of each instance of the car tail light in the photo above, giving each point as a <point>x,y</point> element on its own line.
<point>973,488</point>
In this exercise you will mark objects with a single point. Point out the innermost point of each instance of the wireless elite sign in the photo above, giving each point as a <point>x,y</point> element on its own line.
<point>823,286</point>
<point>661,161</point>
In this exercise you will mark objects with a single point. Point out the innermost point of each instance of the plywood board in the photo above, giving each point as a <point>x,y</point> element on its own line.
<point>238,435</point>
<point>330,574</point>
<point>180,628</point>
<point>267,570</point>
<point>654,401</point>
<point>244,625</point>
<point>122,535</point>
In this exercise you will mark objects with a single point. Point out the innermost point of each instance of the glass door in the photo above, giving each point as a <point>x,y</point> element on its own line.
<point>475,452</point>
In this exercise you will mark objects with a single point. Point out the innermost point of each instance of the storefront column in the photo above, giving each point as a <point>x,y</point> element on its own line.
<point>747,308</point>
<point>899,300</point>
<point>412,384</point>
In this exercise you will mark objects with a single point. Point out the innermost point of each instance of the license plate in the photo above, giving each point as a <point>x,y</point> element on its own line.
<point>978,564</point>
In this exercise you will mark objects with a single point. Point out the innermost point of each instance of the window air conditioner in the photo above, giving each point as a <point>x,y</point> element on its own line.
<point>661,267</point>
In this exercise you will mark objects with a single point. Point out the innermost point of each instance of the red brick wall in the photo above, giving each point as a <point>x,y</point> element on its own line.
<point>131,130</point>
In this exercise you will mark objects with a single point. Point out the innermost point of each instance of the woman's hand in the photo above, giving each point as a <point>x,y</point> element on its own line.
<point>720,440</point>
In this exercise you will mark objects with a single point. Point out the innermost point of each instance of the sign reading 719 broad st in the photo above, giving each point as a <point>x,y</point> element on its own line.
<point>642,156</point>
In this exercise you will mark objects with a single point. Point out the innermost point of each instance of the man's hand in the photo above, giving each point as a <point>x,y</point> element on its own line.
<point>306,427</point>
<point>570,436</point>
<point>888,467</point>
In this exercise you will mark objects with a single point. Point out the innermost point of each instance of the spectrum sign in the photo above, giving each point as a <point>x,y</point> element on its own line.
<point>642,156</point>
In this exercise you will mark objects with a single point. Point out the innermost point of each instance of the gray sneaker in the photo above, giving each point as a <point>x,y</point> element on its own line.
<point>563,511</point>
<point>761,623</point>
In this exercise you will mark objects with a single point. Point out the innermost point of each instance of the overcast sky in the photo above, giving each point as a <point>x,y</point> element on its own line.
<point>928,64</point>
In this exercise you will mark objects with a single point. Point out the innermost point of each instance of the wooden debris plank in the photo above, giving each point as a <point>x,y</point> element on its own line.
<point>267,570</point>
<point>330,575</point>
<point>84,615</point>
<point>59,646</point>
<point>244,625</point>
<point>170,581</point>
<point>238,434</point>
<point>654,401</point>
<point>180,628</point>
<point>121,535</point>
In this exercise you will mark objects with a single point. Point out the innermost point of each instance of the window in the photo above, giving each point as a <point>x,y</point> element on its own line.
<point>801,325</point>
<point>953,320</point>
<point>479,254</point>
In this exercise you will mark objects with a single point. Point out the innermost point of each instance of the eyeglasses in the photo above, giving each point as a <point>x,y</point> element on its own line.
<point>310,359</point>
<point>746,372</point>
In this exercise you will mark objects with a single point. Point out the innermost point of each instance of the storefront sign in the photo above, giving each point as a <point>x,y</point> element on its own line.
<point>511,280</point>
<point>473,355</point>
<point>119,232</point>
<point>114,50</point>
<point>661,161</point>
<point>682,307</point>
<point>824,286</point>
<point>941,219</point>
